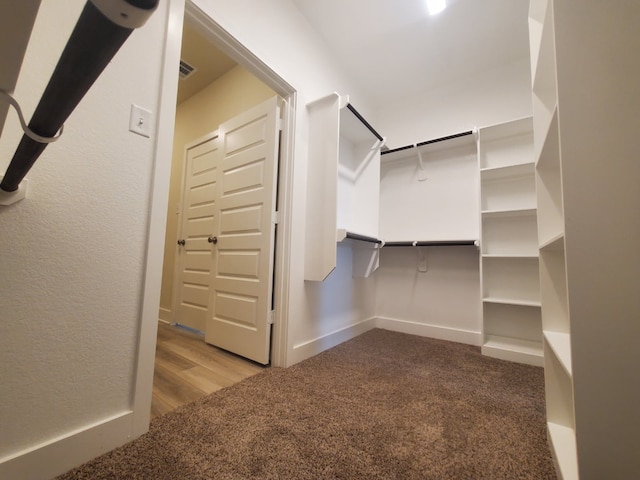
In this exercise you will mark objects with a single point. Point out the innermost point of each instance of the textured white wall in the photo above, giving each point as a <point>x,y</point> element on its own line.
<point>495,96</point>
<point>72,256</point>
<point>445,301</point>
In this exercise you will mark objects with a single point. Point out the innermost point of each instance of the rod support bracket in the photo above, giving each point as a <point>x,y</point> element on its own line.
<point>9,198</point>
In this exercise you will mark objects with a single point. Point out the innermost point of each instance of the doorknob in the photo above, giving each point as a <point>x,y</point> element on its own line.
<point>181,242</point>
<point>212,239</point>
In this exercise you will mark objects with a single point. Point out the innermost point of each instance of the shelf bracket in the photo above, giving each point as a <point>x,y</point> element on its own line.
<point>422,174</point>
<point>422,260</point>
<point>9,198</point>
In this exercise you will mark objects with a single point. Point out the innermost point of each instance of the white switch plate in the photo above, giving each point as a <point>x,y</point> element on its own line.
<point>140,121</point>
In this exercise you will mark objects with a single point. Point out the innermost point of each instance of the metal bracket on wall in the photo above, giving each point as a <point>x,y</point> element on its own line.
<point>422,259</point>
<point>9,198</point>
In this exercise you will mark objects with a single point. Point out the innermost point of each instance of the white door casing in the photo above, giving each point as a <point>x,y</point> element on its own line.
<point>196,225</point>
<point>240,301</point>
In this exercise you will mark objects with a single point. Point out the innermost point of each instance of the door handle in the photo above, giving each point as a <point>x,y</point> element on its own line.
<point>212,239</point>
<point>181,242</point>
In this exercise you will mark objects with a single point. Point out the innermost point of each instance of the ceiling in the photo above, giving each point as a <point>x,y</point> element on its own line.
<point>209,62</point>
<point>392,49</point>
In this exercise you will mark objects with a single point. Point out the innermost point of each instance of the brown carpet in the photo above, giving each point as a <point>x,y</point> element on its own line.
<point>384,405</point>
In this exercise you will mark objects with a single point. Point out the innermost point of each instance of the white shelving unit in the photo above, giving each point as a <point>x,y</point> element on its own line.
<point>553,291</point>
<point>343,188</point>
<point>585,105</point>
<point>509,254</point>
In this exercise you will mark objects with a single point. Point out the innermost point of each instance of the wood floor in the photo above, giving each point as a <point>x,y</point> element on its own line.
<point>186,368</point>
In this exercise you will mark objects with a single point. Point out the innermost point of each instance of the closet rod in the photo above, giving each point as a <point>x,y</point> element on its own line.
<point>364,122</point>
<point>362,238</point>
<point>448,137</point>
<point>428,142</point>
<point>432,243</point>
<point>101,29</point>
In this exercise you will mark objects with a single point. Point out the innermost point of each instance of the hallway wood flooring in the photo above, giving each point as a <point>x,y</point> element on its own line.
<point>186,368</point>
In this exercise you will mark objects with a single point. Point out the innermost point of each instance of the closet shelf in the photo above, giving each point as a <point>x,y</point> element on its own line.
<point>515,256</point>
<point>511,301</point>
<point>560,345</point>
<point>507,171</point>
<point>343,234</point>
<point>554,243</point>
<point>563,443</point>
<point>513,349</point>
<point>519,212</point>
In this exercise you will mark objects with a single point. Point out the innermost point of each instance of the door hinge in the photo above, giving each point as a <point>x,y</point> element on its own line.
<point>275,218</point>
<point>279,124</point>
<point>271,317</point>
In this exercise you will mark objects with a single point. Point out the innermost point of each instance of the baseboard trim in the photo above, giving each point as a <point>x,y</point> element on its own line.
<point>313,347</point>
<point>165,315</point>
<point>433,331</point>
<point>57,456</point>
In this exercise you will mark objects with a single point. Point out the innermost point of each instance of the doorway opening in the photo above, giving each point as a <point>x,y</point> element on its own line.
<point>221,80</point>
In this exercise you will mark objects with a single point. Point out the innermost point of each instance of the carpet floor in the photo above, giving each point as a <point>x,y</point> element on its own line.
<point>384,405</point>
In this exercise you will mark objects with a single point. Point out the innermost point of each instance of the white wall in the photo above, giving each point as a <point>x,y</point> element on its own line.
<point>495,96</point>
<point>72,261</point>
<point>443,302</point>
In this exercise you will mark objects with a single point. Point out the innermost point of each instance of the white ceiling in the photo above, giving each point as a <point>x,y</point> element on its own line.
<point>393,49</point>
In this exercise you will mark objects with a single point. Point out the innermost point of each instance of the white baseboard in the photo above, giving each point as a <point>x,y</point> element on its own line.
<point>313,347</point>
<point>165,315</point>
<point>57,456</point>
<point>433,331</point>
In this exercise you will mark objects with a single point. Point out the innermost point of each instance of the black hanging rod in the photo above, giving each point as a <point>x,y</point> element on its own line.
<point>418,243</point>
<point>432,243</point>
<point>448,137</point>
<point>362,238</point>
<point>399,149</point>
<point>101,29</point>
<point>428,142</point>
<point>364,122</point>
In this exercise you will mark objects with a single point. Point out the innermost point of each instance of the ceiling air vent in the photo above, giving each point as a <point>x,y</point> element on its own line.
<point>186,70</point>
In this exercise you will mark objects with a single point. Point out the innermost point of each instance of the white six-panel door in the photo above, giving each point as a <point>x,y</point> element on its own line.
<point>239,308</point>
<point>197,224</point>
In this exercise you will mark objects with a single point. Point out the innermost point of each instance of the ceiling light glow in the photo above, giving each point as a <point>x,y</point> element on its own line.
<point>436,6</point>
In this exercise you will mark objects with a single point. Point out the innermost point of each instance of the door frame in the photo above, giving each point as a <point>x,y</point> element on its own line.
<point>163,145</point>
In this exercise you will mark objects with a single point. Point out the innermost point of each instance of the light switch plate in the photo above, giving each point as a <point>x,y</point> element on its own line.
<point>140,121</point>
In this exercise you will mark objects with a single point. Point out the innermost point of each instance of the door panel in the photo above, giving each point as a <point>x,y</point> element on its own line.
<point>197,224</point>
<point>242,273</point>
